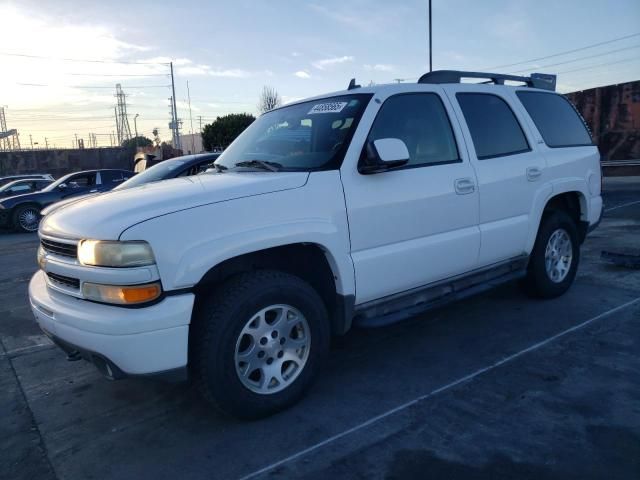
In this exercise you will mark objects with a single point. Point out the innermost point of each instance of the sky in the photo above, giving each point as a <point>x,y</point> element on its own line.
<point>227,50</point>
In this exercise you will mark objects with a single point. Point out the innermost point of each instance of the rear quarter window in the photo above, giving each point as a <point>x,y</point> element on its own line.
<point>556,119</point>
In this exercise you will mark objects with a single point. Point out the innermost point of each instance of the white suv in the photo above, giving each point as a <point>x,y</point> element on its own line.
<point>361,207</point>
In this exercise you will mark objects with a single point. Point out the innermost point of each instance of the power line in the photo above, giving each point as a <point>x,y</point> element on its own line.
<point>117,74</point>
<point>565,52</point>
<point>88,86</point>
<point>64,59</point>
<point>599,65</point>
<point>583,58</point>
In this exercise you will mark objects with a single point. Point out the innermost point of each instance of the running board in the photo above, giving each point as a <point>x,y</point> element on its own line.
<point>393,309</point>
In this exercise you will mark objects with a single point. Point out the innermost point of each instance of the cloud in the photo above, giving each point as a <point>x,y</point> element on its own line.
<point>302,74</point>
<point>331,62</point>
<point>194,70</point>
<point>230,73</point>
<point>366,20</point>
<point>379,67</point>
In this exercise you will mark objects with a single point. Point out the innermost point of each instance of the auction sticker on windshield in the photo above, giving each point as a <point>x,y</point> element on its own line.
<point>330,107</point>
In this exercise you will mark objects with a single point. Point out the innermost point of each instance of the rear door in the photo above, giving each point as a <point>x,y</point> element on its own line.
<point>109,179</point>
<point>416,224</point>
<point>509,170</point>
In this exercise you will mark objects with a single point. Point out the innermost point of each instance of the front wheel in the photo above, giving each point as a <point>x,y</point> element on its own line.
<point>26,219</point>
<point>258,342</point>
<point>555,256</point>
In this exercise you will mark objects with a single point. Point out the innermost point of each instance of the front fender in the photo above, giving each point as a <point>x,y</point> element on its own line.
<point>188,243</point>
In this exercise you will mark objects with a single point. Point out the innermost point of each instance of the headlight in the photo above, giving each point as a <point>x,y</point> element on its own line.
<point>121,294</point>
<point>115,254</point>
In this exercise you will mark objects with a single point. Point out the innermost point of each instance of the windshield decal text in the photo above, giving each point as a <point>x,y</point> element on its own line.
<point>331,107</point>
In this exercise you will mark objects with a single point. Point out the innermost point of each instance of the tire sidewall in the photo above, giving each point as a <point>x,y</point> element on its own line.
<point>543,285</point>
<point>220,353</point>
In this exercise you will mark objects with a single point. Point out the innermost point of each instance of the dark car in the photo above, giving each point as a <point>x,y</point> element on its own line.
<point>22,212</point>
<point>30,176</point>
<point>20,187</point>
<point>175,167</point>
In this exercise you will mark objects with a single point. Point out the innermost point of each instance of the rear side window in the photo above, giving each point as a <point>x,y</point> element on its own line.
<point>556,119</point>
<point>110,176</point>
<point>494,129</point>
<point>421,122</point>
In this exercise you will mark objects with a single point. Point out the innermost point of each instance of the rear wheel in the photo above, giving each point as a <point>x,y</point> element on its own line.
<point>555,256</point>
<point>26,218</point>
<point>258,342</point>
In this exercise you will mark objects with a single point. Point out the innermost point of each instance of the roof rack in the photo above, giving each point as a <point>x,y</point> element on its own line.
<point>536,80</point>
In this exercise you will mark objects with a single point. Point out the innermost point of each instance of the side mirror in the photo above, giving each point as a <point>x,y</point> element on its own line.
<point>62,186</point>
<point>384,154</point>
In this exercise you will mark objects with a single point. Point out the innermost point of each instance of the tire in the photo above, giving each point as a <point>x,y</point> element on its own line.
<point>26,218</point>
<point>550,272</point>
<point>222,331</point>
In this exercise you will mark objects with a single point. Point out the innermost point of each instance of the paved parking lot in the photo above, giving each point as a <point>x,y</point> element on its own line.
<point>498,386</point>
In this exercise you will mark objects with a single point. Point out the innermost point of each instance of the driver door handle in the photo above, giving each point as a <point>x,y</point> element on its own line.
<point>464,186</point>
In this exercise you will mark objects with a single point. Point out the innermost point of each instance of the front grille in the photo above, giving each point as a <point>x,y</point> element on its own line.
<point>64,281</point>
<point>59,248</point>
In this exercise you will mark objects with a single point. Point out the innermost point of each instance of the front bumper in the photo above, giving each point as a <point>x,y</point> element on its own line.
<point>122,338</point>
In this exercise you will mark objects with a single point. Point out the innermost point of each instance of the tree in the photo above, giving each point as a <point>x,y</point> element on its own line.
<point>224,130</point>
<point>269,99</point>
<point>139,141</point>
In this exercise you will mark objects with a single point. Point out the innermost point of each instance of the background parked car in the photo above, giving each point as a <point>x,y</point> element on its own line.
<point>22,212</point>
<point>33,176</point>
<point>19,187</point>
<point>172,168</point>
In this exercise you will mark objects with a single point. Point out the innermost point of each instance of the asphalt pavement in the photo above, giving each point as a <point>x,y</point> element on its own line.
<point>496,386</point>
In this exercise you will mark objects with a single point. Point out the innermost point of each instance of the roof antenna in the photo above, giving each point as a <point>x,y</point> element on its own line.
<point>352,84</point>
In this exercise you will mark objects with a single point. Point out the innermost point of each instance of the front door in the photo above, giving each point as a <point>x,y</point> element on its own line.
<point>418,223</point>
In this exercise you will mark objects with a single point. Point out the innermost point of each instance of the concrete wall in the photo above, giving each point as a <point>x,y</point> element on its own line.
<point>61,162</point>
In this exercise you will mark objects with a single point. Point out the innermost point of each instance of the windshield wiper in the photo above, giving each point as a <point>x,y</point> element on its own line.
<point>220,168</point>
<point>264,164</point>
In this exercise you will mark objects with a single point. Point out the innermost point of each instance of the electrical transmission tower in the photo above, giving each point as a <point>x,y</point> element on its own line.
<point>122,121</point>
<point>8,138</point>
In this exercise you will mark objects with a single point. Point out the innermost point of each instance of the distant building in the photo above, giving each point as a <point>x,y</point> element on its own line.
<point>613,115</point>
<point>191,143</point>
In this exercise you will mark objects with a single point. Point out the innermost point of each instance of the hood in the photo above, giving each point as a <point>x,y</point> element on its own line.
<point>61,203</point>
<point>106,216</point>
<point>38,197</point>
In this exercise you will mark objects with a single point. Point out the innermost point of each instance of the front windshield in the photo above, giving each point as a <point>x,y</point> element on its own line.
<point>305,136</point>
<point>159,171</point>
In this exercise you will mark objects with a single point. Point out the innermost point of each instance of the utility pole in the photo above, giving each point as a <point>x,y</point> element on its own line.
<point>200,118</point>
<point>193,146</point>
<point>177,145</point>
<point>135,126</point>
<point>76,140</point>
<point>46,143</point>
<point>31,141</point>
<point>430,43</point>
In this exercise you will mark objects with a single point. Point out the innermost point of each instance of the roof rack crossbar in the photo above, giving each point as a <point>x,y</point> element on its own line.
<point>536,80</point>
